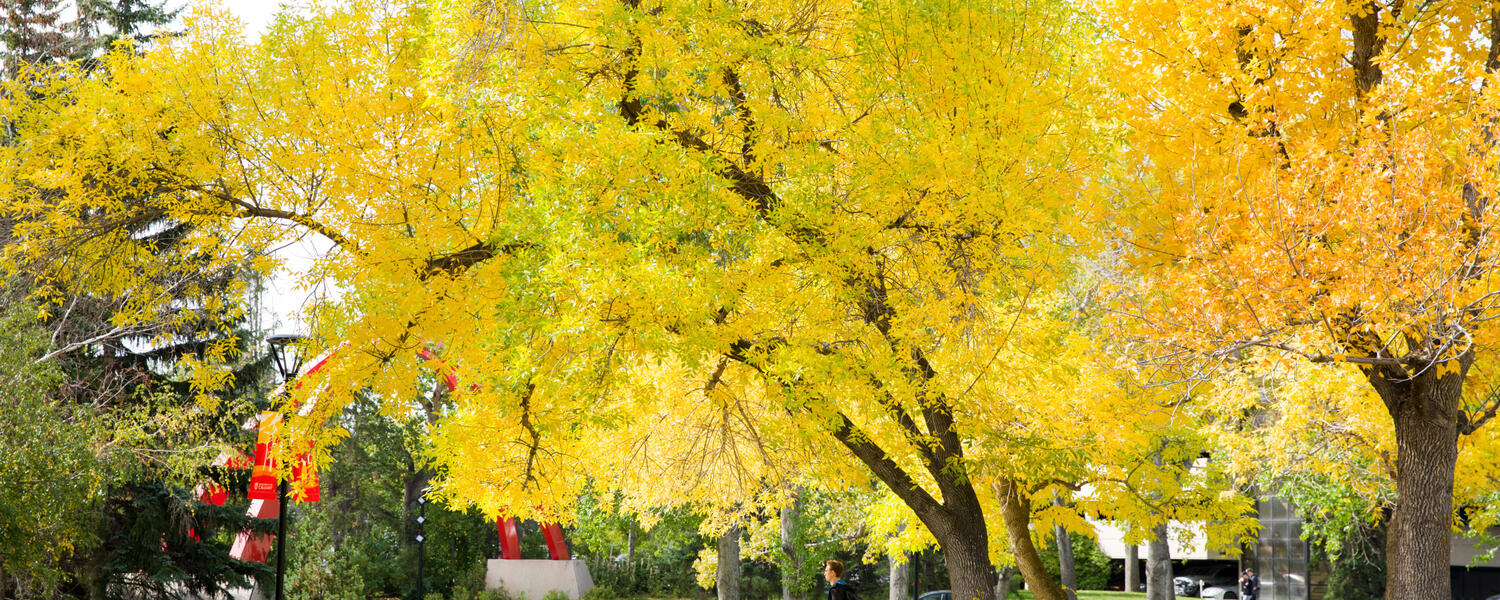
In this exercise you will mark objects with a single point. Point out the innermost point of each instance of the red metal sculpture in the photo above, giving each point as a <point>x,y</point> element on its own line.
<point>256,547</point>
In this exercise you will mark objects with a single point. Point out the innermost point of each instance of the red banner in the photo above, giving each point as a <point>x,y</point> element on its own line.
<point>263,477</point>
<point>213,493</point>
<point>305,478</point>
<point>253,547</point>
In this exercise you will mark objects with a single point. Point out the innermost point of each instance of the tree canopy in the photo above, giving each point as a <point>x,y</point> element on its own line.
<point>1322,177</point>
<point>710,253</point>
<point>700,241</point>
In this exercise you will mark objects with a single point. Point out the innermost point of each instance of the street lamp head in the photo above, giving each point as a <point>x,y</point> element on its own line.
<point>286,350</point>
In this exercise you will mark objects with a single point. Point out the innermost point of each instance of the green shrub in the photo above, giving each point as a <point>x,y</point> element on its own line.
<point>601,593</point>
<point>496,594</point>
<point>756,587</point>
<point>468,584</point>
<point>556,595</point>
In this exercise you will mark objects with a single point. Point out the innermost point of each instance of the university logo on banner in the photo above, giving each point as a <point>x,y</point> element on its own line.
<point>263,476</point>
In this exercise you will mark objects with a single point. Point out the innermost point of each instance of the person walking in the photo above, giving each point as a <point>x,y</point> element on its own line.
<point>1249,585</point>
<point>838,589</point>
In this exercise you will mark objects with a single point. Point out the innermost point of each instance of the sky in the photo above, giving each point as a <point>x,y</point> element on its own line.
<point>284,298</point>
<point>257,14</point>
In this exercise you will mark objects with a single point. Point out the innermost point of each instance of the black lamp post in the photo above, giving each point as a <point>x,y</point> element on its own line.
<point>288,356</point>
<point>421,539</point>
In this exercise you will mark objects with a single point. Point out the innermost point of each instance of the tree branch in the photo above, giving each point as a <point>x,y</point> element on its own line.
<point>883,467</point>
<point>1368,43</point>
<point>1470,423</point>
<point>252,210</point>
<point>455,263</point>
<point>536,443</point>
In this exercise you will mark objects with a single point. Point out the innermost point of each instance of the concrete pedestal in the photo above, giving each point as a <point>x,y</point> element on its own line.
<point>534,578</point>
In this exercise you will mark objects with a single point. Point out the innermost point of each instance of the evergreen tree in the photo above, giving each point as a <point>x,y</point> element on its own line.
<point>146,531</point>
<point>34,34</point>
<point>105,22</point>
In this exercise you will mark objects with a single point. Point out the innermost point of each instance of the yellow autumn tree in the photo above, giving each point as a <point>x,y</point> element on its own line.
<point>1318,180</point>
<point>1318,436</point>
<point>751,235</point>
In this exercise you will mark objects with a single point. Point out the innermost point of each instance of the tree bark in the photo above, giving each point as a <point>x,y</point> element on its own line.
<point>1015,509</point>
<point>1425,409</point>
<point>727,579</point>
<point>917,574</point>
<point>97,586</point>
<point>929,573</point>
<point>1066,572</point>
<point>1249,549</point>
<point>966,552</point>
<point>1132,567</point>
<point>793,584</point>
<point>413,484</point>
<point>630,542</point>
<point>900,577</point>
<point>1002,582</point>
<point>1066,569</point>
<point>1159,566</point>
<point>957,522</point>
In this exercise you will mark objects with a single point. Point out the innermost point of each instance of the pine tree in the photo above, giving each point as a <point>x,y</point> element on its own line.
<point>105,22</point>
<point>34,34</point>
<point>148,531</point>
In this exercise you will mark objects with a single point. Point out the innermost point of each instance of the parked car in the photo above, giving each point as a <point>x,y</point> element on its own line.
<point>1186,586</point>
<point>937,595</point>
<point>1221,593</point>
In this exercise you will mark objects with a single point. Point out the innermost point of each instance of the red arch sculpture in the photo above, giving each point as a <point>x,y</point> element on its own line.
<point>256,547</point>
<point>510,537</point>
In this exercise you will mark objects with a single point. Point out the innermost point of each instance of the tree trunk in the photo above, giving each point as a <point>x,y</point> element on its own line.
<point>98,584</point>
<point>630,542</point>
<point>916,574</point>
<point>966,552</point>
<point>413,484</point>
<point>1425,409</point>
<point>900,577</point>
<point>1002,582</point>
<point>957,521</point>
<point>929,573</point>
<point>1065,567</point>
<point>959,528</point>
<point>728,578</point>
<point>1132,567</point>
<point>1015,509</point>
<point>1249,549</point>
<point>793,583</point>
<point>1159,566</point>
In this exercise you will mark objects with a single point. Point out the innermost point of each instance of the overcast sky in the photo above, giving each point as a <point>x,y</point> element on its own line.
<point>256,13</point>
<point>284,299</point>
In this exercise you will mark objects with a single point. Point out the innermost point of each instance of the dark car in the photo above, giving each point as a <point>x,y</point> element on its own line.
<point>937,595</point>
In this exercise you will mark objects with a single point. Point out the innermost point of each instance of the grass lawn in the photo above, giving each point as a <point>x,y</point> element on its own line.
<point>1086,595</point>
